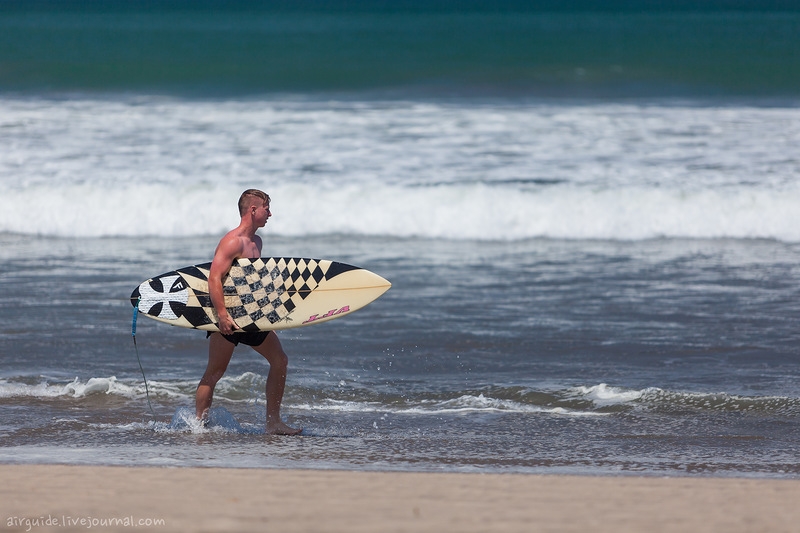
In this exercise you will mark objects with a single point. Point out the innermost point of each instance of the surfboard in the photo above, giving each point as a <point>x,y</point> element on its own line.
<point>269,293</point>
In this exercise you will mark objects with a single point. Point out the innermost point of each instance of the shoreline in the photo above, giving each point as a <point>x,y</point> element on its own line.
<point>43,497</point>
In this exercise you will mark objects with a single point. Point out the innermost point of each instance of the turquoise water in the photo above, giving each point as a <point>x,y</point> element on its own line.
<point>513,48</point>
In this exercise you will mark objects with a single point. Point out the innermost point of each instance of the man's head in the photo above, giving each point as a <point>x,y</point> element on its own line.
<point>252,198</point>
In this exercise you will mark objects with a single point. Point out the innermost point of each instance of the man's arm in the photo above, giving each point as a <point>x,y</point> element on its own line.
<point>228,250</point>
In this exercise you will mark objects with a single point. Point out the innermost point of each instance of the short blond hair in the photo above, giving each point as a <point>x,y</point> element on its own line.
<point>245,200</point>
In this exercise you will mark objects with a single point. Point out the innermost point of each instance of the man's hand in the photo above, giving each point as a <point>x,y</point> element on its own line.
<point>227,325</point>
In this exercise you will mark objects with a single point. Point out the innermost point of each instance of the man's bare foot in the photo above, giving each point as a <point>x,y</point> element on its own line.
<point>280,428</point>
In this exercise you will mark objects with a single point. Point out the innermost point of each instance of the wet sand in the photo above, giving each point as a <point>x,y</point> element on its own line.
<point>81,498</point>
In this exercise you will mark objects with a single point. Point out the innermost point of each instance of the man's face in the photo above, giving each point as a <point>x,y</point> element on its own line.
<point>261,214</point>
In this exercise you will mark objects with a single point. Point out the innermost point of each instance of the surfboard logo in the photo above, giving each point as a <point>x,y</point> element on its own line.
<point>332,312</point>
<point>166,304</point>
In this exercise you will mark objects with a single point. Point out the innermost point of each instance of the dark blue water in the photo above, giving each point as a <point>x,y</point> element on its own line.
<point>667,357</point>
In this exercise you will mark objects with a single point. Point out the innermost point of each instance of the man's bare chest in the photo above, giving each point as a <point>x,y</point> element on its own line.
<point>251,251</point>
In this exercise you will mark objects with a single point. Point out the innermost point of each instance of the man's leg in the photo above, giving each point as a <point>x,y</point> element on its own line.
<point>273,352</point>
<point>219,355</point>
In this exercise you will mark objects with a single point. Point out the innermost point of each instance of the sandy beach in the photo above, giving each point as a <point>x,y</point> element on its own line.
<point>73,498</point>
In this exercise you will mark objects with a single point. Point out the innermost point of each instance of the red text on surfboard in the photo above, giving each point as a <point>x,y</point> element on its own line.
<point>330,313</point>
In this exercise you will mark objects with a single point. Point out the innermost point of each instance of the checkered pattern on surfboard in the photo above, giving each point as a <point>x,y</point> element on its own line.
<point>258,292</point>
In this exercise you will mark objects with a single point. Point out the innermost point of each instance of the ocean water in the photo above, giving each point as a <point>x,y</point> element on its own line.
<point>589,217</point>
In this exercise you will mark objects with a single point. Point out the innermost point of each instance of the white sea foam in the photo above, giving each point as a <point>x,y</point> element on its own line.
<point>476,211</point>
<point>78,388</point>
<point>461,170</point>
<point>464,404</point>
<point>74,389</point>
<point>220,420</point>
<point>604,395</point>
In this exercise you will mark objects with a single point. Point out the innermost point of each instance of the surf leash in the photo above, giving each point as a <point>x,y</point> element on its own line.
<point>139,359</point>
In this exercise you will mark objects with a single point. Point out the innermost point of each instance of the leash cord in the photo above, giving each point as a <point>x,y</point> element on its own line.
<point>139,359</point>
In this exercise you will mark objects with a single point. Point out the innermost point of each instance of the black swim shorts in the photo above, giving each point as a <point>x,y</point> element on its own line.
<point>250,338</point>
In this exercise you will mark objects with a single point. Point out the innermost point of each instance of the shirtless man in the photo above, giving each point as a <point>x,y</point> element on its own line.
<point>243,242</point>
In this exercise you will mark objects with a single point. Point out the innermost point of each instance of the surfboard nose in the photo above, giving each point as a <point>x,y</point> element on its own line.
<point>383,283</point>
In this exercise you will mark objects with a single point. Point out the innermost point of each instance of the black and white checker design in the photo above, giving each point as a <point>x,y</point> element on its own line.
<point>268,291</point>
